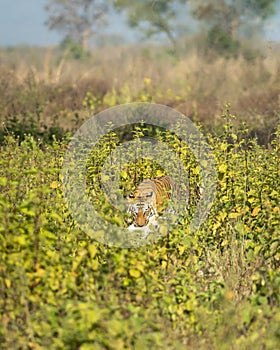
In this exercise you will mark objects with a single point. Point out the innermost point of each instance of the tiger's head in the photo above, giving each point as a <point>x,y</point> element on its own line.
<point>142,214</point>
<point>142,204</point>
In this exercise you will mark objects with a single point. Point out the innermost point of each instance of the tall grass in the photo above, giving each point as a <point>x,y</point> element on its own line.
<point>48,82</point>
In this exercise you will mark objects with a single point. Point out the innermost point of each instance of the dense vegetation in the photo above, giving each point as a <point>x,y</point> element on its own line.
<point>45,92</point>
<point>217,288</point>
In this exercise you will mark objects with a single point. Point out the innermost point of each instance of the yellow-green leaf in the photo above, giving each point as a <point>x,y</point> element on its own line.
<point>234,215</point>
<point>3,181</point>
<point>222,168</point>
<point>256,211</point>
<point>124,174</point>
<point>54,184</point>
<point>92,250</point>
<point>134,273</point>
<point>94,264</point>
<point>8,283</point>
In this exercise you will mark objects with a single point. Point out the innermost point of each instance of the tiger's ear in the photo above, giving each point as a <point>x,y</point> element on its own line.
<point>149,194</point>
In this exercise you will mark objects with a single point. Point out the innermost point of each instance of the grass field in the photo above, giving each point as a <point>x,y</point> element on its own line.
<point>44,89</point>
<point>217,288</point>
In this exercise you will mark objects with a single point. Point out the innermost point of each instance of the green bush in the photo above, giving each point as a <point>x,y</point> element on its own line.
<point>74,49</point>
<point>215,289</point>
<point>222,42</point>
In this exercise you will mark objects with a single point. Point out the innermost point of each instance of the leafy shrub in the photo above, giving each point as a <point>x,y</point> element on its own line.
<point>215,289</point>
<point>74,49</point>
<point>221,42</point>
<point>47,82</point>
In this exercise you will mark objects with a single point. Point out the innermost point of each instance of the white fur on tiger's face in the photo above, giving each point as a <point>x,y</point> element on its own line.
<point>143,214</point>
<point>148,200</point>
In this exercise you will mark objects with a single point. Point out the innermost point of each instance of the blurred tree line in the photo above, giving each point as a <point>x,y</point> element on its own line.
<point>225,22</point>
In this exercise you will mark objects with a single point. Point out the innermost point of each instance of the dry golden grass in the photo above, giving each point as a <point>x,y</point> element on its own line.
<point>196,85</point>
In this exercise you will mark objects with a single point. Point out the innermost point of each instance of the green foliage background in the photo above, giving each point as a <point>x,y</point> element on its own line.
<point>215,289</point>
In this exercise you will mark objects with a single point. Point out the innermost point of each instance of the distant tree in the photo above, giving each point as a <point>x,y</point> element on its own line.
<point>152,17</point>
<point>225,19</point>
<point>78,20</point>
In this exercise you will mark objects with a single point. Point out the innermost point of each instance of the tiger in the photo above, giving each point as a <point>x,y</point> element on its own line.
<point>149,199</point>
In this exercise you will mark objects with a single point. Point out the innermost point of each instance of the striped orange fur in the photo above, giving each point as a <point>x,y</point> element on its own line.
<point>149,199</point>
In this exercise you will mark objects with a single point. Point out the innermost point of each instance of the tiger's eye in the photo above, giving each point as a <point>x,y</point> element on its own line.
<point>149,194</point>
<point>131,195</point>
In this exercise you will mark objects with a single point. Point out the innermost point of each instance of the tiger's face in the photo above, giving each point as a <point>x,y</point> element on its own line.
<point>142,214</point>
<point>142,206</point>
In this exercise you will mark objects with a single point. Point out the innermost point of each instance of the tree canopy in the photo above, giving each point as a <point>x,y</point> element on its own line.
<point>225,21</point>
<point>78,20</point>
<point>151,17</point>
<point>230,15</point>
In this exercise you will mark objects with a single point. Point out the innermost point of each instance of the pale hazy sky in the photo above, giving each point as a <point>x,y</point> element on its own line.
<point>22,22</point>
